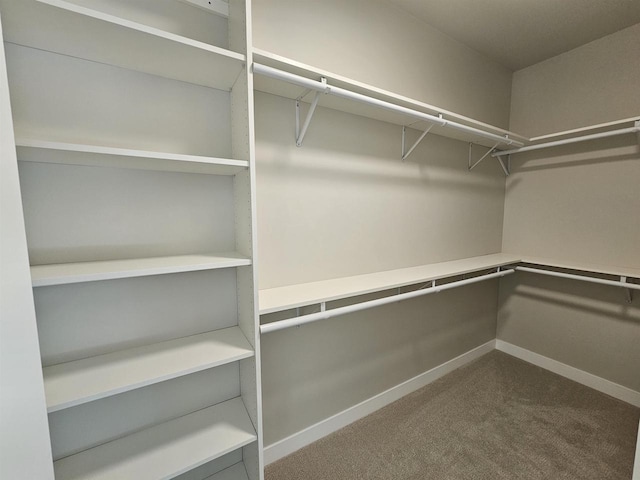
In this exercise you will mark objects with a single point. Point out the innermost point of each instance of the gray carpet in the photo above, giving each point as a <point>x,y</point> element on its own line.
<point>496,418</point>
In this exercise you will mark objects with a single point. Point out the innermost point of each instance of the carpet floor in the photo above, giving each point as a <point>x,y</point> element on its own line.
<point>496,418</point>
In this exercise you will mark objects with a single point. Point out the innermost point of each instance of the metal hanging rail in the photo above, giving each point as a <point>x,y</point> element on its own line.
<point>622,283</point>
<point>326,314</point>
<point>567,141</point>
<point>323,87</point>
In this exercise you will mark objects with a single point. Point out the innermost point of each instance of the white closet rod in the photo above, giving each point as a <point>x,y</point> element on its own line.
<point>341,92</point>
<point>326,314</point>
<point>584,138</point>
<point>613,283</point>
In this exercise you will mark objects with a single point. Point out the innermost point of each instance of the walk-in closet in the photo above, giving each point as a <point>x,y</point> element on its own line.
<point>319,240</point>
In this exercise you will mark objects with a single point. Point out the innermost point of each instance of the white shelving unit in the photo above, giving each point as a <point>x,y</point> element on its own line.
<point>134,139</point>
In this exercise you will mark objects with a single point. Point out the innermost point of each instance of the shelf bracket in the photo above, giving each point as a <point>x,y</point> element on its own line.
<point>505,167</point>
<point>301,133</point>
<point>629,291</point>
<point>471,167</point>
<point>424,134</point>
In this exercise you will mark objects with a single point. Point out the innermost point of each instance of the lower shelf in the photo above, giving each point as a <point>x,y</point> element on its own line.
<point>237,472</point>
<point>168,449</point>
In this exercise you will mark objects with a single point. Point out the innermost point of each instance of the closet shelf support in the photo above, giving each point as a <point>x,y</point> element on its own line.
<point>628,290</point>
<point>424,134</point>
<point>301,133</point>
<point>477,162</point>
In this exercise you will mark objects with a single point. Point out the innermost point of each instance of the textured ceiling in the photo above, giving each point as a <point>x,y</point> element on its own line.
<point>519,33</point>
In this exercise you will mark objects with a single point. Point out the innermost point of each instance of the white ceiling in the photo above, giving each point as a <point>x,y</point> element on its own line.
<point>519,33</point>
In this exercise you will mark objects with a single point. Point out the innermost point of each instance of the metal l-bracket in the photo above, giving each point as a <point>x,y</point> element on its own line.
<point>301,133</point>
<point>505,168</point>
<point>629,291</point>
<point>471,167</point>
<point>424,134</point>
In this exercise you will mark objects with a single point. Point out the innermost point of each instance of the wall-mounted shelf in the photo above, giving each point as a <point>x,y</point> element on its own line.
<point>294,296</point>
<point>616,271</point>
<point>600,131</point>
<point>284,89</point>
<point>167,449</point>
<point>69,29</point>
<point>100,156</point>
<point>63,273</point>
<point>73,383</point>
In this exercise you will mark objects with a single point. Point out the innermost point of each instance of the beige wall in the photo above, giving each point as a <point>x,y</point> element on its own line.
<point>577,203</point>
<point>375,42</point>
<point>345,204</point>
<point>592,84</point>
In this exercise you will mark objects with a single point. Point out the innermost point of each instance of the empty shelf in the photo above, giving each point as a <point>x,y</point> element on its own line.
<point>166,450</point>
<point>69,29</point>
<point>73,383</point>
<point>100,156</point>
<point>585,267</point>
<point>237,472</point>
<point>63,273</point>
<point>293,296</point>
<point>287,90</point>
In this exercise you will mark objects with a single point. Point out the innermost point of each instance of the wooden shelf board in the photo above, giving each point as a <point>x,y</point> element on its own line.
<point>69,29</point>
<point>64,273</point>
<point>41,151</point>
<point>165,450</point>
<point>81,381</point>
<point>283,89</point>
<point>236,472</point>
<point>583,266</point>
<point>293,296</point>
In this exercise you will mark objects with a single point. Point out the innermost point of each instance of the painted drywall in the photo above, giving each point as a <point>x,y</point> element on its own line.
<point>316,371</point>
<point>595,83</point>
<point>578,204</point>
<point>377,43</point>
<point>345,204</point>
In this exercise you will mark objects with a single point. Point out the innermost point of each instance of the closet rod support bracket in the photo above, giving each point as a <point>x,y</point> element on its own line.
<point>424,134</point>
<point>628,290</point>
<point>300,133</point>
<point>491,150</point>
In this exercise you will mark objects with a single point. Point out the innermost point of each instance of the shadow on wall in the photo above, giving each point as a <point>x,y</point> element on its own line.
<point>592,299</point>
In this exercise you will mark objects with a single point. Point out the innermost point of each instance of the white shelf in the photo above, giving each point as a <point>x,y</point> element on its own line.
<point>582,266</point>
<point>287,90</point>
<point>293,296</point>
<point>62,27</point>
<point>165,450</point>
<point>41,151</point>
<point>237,472</point>
<point>81,381</point>
<point>64,273</point>
<point>601,127</point>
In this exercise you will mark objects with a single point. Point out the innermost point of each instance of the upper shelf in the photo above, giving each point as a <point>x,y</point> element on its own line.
<point>64,273</point>
<point>62,27</point>
<point>276,87</point>
<point>293,296</point>
<point>99,156</point>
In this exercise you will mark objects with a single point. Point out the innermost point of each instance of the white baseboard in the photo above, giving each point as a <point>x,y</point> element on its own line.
<point>636,468</point>
<point>597,383</point>
<point>294,442</point>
